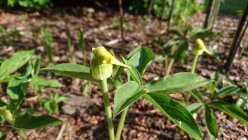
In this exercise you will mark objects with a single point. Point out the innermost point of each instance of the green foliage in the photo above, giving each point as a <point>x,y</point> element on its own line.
<point>131,91</point>
<point>45,36</point>
<point>14,63</point>
<point>123,100</point>
<point>179,82</point>
<point>26,120</point>
<point>9,35</point>
<point>51,102</point>
<point>184,8</point>
<point>211,122</point>
<point>215,101</point>
<point>243,102</point>
<point>140,58</point>
<point>231,109</point>
<point>17,85</point>
<point>30,4</point>
<point>175,112</point>
<point>71,70</point>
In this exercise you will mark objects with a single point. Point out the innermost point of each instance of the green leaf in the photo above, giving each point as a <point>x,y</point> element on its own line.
<point>16,91</point>
<point>194,108</point>
<point>242,102</point>
<point>227,91</point>
<point>203,33</point>
<point>175,32</point>
<point>175,112</point>
<point>28,121</point>
<point>212,86</point>
<point>169,44</point>
<point>211,122</point>
<point>230,109</point>
<point>40,82</point>
<point>71,70</point>
<point>133,72</point>
<point>197,95</point>
<point>179,82</point>
<point>14,63</point>
<point>140,58</point>
<point>126,95</point>
<point>181,51</point>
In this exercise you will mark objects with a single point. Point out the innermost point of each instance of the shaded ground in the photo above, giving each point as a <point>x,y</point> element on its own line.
<point>143,121</point>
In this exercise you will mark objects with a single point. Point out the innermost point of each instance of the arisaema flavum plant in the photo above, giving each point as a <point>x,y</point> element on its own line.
<point>217,94</point>
<point>12,115</point>
<point>105,70</point>
<point>176,49</point>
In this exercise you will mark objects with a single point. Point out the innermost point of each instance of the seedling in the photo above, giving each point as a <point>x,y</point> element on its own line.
<point>51,102</point>
<point>101,71</point>
<point>46,37</point>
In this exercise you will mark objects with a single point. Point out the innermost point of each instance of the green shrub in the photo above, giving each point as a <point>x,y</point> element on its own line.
<point>31,4</point>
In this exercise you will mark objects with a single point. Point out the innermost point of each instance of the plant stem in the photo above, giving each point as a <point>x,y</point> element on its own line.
<point>194,63</point>
<point>108,112</point>
<point>121,123</point>
<point>188,96</point>
<point>169,66</point>
<point>22,134</point>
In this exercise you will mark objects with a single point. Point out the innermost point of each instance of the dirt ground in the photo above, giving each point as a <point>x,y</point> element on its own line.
<point>143,122</point>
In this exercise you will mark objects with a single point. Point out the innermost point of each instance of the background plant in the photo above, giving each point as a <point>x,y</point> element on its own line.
<point>215,102</point>
<point>176,49</point>
<point>9,35</point>
<point>10,112</point>
<point>51,102</point>
<point>45,36</point>
<point>30,4</point>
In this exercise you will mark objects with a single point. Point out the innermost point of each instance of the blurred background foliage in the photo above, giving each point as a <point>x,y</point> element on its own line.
<point>182,7</point>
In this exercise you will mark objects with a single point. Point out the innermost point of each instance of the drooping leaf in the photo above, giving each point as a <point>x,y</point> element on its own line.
<point>140,58</point>
<point>133,72</point>
<point>227,91</point>
<point>14,63</point>
<point>175,112</point>
<point>126,95</point>
<point>179,82</point>
<point>211,122</point>
<point>71,70</point>
<point>230,109</point>
<point>29,121</point>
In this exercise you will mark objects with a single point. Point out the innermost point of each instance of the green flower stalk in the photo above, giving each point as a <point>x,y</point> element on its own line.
<point>101,69</point>
<point>198,49</point>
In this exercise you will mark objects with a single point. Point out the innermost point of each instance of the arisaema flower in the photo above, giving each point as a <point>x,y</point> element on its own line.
<point>102,63</point>
<point>200,47</point>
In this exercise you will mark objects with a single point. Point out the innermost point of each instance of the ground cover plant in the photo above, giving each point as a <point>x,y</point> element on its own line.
<point>122,70</point>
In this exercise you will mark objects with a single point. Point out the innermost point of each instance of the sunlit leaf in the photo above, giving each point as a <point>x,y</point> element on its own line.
<point>211,122</point>
<point>175,112</point>
<point>179,82</point>
<point>126,95</point>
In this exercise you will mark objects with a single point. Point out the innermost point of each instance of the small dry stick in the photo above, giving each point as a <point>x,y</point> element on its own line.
<point>61,132</point>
